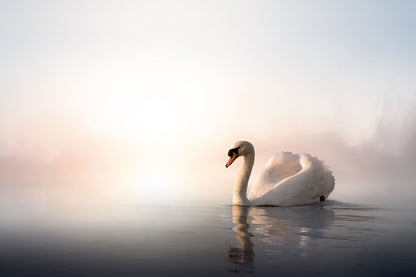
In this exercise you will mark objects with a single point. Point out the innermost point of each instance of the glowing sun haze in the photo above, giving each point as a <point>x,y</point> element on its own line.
<point>145,97</point>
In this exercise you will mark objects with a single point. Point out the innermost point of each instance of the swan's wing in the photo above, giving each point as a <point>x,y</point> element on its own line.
<point>279,167</point>
<point>290,179</point>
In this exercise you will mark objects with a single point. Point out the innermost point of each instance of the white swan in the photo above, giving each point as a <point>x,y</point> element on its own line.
<point>287,180</point>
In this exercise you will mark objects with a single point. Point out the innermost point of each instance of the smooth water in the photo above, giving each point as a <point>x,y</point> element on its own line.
<point>328,239</point>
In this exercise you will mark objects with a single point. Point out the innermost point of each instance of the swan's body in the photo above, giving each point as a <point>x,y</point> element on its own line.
<point>287,180</point>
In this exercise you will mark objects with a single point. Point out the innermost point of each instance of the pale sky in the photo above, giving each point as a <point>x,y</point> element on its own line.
<point>168,85</point>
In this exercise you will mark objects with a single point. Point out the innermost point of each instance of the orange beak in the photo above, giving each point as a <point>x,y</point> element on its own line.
<point>231,160</point>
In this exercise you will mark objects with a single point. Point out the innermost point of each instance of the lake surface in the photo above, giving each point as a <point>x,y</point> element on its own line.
<point>328,239</point>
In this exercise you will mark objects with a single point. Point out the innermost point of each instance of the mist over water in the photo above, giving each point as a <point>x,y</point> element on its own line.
<point>77,203</point>
<point>376,170</point>
<point>116,119</point>
<point>98,217</point>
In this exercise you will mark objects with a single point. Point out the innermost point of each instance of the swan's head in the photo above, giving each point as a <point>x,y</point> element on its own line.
<point>240,148</point>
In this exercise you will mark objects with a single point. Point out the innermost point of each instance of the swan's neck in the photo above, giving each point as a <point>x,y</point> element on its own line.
<point>240,187</point>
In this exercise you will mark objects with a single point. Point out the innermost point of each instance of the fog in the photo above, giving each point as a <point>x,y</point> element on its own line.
<point>106,103</point>
<point>57,163</point>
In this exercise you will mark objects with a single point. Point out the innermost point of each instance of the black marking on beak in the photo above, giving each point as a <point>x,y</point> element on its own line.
<point>233,151</point>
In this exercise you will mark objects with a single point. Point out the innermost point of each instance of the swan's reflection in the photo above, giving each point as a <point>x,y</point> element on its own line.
<point>243,255</point>
<point>290,230</point>
<point>277,231</point>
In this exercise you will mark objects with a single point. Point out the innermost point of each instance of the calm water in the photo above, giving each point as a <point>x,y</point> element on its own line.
<point>333,239</point>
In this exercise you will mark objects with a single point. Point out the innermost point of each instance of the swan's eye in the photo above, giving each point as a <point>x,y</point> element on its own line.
<point>233,151</point>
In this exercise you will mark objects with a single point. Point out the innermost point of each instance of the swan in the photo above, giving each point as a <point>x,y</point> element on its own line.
<point>287,180</point>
